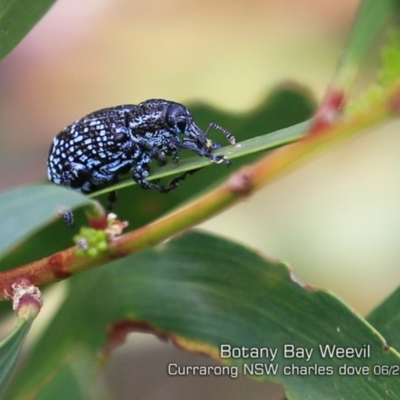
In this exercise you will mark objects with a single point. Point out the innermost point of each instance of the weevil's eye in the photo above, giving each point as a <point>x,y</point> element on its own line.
<point>181,125</point>
<point>177,117</point>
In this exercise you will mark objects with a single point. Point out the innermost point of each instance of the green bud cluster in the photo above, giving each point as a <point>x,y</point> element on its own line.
<point>90,242</point>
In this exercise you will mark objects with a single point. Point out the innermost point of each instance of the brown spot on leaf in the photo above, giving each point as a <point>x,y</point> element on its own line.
<point>192,346</point>
<point>386,347</point>
<point>118,332</point>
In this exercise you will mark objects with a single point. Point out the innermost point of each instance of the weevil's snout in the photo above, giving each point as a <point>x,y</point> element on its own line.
<point>202,140</point>
<point>213,145</point>
<point>199,136</point>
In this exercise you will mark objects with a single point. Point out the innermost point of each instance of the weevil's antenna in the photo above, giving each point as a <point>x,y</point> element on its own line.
<point>228,135</point>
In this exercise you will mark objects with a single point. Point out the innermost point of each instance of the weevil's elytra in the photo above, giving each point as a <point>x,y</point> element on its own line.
<point>95,150</point>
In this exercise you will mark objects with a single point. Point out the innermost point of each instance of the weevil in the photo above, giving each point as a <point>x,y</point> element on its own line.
<point>95,150</point>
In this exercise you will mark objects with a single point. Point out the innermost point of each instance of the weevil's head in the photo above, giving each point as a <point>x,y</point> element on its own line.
<point>181,122</point>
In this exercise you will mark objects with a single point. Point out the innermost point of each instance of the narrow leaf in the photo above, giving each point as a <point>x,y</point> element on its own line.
<point>372,16</point>
<point>27,208</point>
<point>17,18</point>
<point>386,318</point>
<point>10,348</point>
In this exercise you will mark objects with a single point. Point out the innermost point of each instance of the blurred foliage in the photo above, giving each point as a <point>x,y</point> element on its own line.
<point>202,291</point>
<point>389,72</point>
<point>386,318</point>
<point>10,348</point>
<point>387,75</point>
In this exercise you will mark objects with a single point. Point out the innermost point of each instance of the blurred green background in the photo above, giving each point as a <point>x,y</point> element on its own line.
<point>335,220</point>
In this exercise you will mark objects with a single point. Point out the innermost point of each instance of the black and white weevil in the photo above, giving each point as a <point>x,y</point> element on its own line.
<point>92,152</point>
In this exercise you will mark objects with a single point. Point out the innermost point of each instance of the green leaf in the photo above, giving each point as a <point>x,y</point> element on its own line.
<point>372,16</point>
<point>27,208</point>
<point>203,291</point>
<point>386,318</point>
<point>17,18</point>
<point>10,348</point>
<point>71,380</point>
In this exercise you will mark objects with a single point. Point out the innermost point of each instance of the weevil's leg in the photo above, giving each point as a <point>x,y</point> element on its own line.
<point>204,152</point>
<point>159,156</point>
<point>217,159</point>
<point>69,218</point>
<point>141,181</point>
<point>142,172</point>
<point>86,187</point>
<point>78,170</point>
<point>188,144</point>
<point>112,199</point>
<point>175,156</point>
<point>227,134</point>
<point>99,177</point>
<point>175,181</point>
<point>88,180</point>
